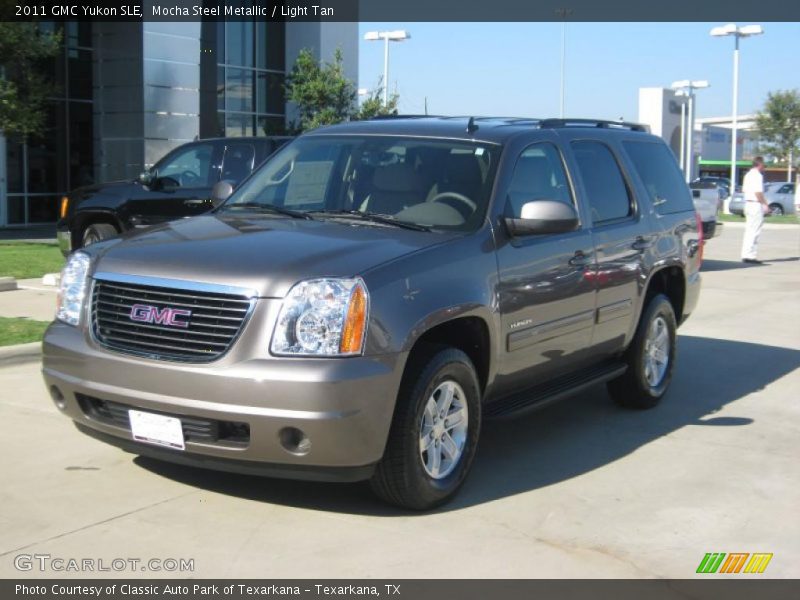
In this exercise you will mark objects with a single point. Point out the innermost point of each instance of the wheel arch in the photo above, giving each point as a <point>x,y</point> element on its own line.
<point>85,218</point>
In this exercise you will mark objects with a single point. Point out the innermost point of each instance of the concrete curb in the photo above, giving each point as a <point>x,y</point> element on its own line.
<point>20,353</point>
<point>8,284</point>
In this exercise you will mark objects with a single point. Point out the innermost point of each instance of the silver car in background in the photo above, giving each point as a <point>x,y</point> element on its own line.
<point>779,196</point>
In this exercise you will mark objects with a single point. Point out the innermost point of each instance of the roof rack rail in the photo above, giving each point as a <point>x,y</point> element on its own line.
<point>388,117</point>
<point>553,123</point>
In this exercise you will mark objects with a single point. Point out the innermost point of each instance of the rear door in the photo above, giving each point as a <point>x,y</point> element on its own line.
<point>622,236</point>
<point>546,300</point>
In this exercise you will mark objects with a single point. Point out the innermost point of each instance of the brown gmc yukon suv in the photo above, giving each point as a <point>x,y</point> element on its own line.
<point>374,291</point>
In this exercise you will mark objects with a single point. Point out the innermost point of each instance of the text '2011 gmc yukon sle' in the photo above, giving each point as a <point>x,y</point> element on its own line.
<point>375,290</point>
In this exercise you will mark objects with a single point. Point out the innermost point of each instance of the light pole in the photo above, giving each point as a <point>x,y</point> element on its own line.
<point>563,13</point>
<point>387,36</point>
<point>688,87</point>
<point>736,32</point>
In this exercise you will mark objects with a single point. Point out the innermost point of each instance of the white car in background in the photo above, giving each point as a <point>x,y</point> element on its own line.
<point>706,203</point>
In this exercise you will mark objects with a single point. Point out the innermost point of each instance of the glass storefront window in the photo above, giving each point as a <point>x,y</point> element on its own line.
<point>269,93</point>
<point>239,90</point>
<point>239,43</point>
<point>238,125</point>
<point>43,209</point>
<point>61,159</point>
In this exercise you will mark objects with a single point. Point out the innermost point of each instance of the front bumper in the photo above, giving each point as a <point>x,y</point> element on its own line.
<point>64,237</point>
<point>344,407</point>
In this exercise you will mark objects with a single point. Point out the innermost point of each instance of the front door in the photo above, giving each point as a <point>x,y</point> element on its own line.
<point>182,187</point>
<point>546,295</point>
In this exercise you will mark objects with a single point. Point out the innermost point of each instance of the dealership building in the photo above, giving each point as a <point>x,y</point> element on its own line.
<point>130,92</point>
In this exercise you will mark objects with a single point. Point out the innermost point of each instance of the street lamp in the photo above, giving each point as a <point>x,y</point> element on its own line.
<point>686,88</point>
<point>736,32</point>
<point>387,36</point>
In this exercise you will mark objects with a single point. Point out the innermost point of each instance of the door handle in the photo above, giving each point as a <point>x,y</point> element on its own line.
<point>579,259</point>
<point>194,201</point>
<point>693,246</point>
<point>642,243</point>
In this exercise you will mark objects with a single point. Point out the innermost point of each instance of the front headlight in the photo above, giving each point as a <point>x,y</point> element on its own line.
<point>73,288</point>
<point>322,317</point>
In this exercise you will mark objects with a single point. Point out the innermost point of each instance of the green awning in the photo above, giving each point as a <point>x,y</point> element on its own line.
<point>725,163</point>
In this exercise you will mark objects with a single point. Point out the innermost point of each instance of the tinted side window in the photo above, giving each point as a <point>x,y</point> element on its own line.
<point>605,187</point>
<point>188,167</point>
<point>660,175</point>
<point>538,175</point>
<point>238,161</point>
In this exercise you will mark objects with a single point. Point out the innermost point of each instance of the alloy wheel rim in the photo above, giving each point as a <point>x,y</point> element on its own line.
<point>656,352</point>
<point>443,430</point>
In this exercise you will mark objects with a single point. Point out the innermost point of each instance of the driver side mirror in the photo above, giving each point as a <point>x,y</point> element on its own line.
<point>221,192</point>
<point>542,217</point>
<point>148,177</point>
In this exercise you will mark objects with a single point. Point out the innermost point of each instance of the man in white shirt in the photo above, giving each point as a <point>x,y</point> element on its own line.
<point>755,207</point>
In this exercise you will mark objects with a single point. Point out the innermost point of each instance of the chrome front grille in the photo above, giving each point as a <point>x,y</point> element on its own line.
<point>165,319</point>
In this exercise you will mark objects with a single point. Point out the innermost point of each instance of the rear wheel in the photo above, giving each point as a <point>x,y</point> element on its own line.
<point>434,434</point>
<point>650,358</point>
<point>97,232</point>
<point>776,210</point>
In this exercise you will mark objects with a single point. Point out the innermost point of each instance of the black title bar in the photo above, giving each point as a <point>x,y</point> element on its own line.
<point>399,10</point>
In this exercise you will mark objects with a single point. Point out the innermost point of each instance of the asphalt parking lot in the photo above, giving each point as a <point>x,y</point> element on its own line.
<point>581,489</point>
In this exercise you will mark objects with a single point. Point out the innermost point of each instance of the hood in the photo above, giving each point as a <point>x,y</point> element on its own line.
<point>264,253</point>
<point>110,188</point>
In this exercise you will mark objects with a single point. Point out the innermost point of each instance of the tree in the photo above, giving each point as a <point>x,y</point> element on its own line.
<point>24,89</point>
<point>324,96</point>
<point>778,124</point>
<point>373,105</point>
<point>322,93</point>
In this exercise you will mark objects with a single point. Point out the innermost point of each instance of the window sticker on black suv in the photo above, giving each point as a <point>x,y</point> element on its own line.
<point>660,175</point>
<point>603,182</point>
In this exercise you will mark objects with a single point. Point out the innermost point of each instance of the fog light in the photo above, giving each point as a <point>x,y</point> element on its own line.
<point>57,397</point>
<point>295,441</point>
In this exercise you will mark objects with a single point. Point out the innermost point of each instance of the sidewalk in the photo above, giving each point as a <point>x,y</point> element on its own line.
<point>32,301</point>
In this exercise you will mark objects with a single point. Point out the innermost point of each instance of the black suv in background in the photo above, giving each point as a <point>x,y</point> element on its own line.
<point>179,185</point>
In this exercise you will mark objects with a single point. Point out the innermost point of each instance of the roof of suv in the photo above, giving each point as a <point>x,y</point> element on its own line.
<point>488,129</point>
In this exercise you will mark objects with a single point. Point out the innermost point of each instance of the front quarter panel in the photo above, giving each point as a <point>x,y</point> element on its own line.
<point>412,294</point>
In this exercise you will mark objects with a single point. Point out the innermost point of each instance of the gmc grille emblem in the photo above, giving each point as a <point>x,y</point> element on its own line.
<point>144,313</point>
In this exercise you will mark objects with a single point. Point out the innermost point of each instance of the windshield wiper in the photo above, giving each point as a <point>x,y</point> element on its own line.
<point>373,217</point>
<point>261,207</point>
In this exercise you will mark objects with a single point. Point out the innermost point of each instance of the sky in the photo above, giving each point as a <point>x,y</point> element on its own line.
<point>513,69</point>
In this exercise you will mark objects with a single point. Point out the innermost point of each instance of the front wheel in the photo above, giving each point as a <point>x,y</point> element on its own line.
<point>650,358</point>
<point>97,232</point>
<point>776,210</point>
<point>434,433</point>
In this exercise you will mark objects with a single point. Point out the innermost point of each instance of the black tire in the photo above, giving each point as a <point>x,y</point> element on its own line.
<point>97,232</point>
<point>632,389</point>
<point>776,209</point>
<point>401,477</point>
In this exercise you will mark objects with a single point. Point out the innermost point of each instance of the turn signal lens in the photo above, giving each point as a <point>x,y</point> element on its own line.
<point>64,206</point>
<point>355,322</point>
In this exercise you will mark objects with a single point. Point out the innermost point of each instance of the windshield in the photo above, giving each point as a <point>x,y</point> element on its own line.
<point>431,183</point>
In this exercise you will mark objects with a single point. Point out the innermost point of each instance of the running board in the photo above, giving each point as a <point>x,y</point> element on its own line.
<point>562,387</point>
